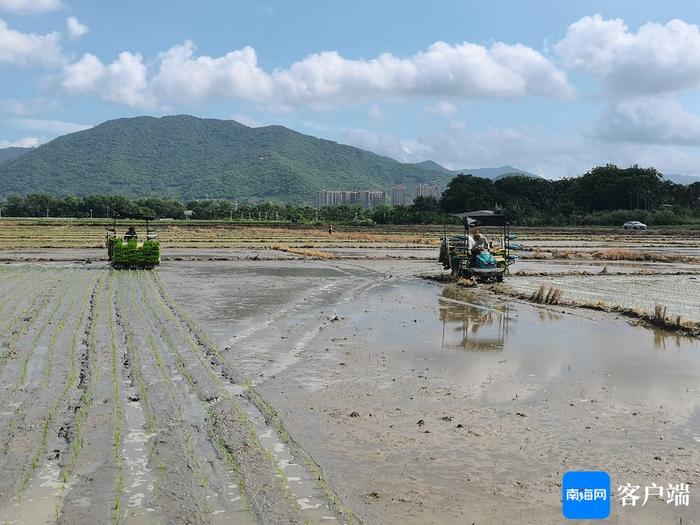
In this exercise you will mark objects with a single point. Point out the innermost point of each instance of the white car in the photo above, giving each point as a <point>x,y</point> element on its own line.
<point>634,225</point>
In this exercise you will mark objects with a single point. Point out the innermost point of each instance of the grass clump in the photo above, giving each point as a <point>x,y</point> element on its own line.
<point>306,252</point>
<point>547,295</point>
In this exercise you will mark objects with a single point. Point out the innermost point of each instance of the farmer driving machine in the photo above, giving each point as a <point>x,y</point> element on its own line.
<point>472,256</point>
<point>130,252</point>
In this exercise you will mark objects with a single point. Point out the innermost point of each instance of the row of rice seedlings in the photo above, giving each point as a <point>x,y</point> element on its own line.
<point>183,369</point>
<point>180,418</point>
<point>131,348</point>
<point>84,300</point>
<point>272,418</point>
<point>88,314</point>
<point>179,318</point>
<point>69,384</point>
<point>118,416</point>
<point>20,412</point>
<point>92,365</point>
<point>21,279</point>
<point>49,320</point>
<point>24,317</point>
<point>11,427</point>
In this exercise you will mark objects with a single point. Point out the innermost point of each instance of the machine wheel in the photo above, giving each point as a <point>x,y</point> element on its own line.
<point>499,278</point>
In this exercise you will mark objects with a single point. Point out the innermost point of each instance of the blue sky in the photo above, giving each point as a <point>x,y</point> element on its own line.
<point>554,87</point>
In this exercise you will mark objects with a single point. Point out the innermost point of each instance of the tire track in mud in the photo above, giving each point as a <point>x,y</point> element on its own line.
<point>36,432</point>
<point>259,418</point>
<point>259,361</point>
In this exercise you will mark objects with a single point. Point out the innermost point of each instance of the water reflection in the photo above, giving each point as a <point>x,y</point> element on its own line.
<point>664,340</point>
<point>478,328</point>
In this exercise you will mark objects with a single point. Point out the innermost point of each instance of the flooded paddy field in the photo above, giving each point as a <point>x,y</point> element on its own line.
<point>426,403</point>
<point>119,410</point>
<point>252,385</point>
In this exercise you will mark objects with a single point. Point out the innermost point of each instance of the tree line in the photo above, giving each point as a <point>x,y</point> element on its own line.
<point>606,195</point>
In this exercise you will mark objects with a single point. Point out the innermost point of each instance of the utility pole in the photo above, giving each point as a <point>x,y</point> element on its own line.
<point>91,213</point>
<point>47,213</point>
<point>230,215</point>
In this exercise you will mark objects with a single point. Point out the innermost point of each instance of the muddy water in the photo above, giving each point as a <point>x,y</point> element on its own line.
<point>38,504</point>
<point>139,478</point>
<point>424,404</point>
<point>535,392</point>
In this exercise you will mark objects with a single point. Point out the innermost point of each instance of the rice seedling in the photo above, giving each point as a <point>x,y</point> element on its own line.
<point>118,417</point>
<point>174,314</point>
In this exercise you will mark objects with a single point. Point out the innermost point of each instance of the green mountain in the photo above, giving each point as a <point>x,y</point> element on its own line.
<point>431,165</point>
<point>13,152</point>
<point>496,173</point>
<point>191,158</point>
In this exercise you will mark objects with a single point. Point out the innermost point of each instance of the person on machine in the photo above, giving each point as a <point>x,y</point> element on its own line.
<point>130,234</point>
<point>481,243</point>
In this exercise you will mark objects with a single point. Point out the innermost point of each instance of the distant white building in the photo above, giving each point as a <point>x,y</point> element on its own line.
<point>368,199</point>
<point>427,190</point>
<point>398,195</point>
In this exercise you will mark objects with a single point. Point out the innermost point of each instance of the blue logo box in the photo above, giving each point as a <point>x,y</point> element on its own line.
<point>585,495</point>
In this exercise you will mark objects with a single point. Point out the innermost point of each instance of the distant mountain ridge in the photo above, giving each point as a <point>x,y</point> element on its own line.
<point>185,157</point>
<point>682,179</point>
<point>495,173</point>
<point>12,152</point>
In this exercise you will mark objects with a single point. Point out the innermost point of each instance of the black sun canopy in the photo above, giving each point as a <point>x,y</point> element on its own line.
<point>481,218</point>
<point>134,216</point>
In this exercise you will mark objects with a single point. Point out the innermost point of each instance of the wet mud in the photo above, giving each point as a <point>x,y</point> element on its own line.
<point>249,391</point>
<point>424,403</point>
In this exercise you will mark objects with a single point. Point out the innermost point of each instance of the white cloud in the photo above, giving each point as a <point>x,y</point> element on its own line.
<point>326,80</point>
<point>656,59</point>
<point>123,81</point>
<point>648,120</point>
<point>182,76</point>
<point>55,127</point>
<point>442,108</point>
<point>29,6</point>
<point>27,142</point>
<point>27,106</point>
<point>22,49</point>
<point>548,154</point>
<point>75,28</point>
